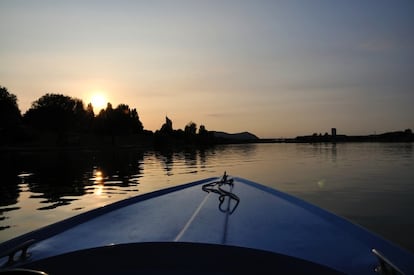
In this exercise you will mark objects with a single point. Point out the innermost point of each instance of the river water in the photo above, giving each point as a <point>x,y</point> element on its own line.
<point>371,184</point>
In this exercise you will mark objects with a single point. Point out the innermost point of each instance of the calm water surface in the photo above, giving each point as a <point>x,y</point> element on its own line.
<point>371,184</point>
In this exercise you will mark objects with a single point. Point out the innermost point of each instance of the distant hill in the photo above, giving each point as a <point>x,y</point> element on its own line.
<point>244,136</point>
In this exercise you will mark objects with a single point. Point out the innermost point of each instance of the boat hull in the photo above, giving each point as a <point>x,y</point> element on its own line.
<point>241,214</point>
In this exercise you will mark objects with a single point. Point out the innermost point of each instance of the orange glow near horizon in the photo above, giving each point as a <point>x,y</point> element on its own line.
<point>98,101</point>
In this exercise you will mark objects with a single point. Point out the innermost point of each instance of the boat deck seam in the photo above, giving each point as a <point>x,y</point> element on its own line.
<point>190,221</point>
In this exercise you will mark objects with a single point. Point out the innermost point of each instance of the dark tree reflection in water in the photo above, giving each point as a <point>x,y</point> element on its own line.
<point>57,176</point>
<point>9,187</point>
<point>54,179</point>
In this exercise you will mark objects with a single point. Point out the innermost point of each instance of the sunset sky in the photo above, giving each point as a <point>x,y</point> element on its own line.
<point>273,68</point>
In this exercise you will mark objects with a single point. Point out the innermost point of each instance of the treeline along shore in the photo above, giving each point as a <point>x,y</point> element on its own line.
<point>396,136</point>
<point>60,121</point>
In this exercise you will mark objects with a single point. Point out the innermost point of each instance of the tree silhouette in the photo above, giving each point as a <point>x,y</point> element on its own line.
<point>167,136</point>
<point>202,131</point>
<point>66,119</point>
<point>9,111</point>
<point>89,118</point>
<point>167,127</point>
<point>121,120</point>
<point>204,136</point>
<point>56,112</point>
<point>190,129</point>
<point>126,121</point>
<point>10,117</point>
<point>103,121</point>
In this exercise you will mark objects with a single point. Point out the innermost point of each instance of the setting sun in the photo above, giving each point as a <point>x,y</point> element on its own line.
<point>98,101</point>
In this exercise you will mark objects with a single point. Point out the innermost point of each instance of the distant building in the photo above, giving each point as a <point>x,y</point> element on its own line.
<point>333,131</point>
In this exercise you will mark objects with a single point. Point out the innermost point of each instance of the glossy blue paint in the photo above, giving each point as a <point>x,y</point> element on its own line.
<point>241,214</point>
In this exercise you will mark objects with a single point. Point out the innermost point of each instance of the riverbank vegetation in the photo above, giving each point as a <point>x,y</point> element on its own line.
<point>57,120</point>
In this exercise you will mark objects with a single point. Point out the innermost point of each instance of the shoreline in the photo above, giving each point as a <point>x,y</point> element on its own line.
<point>92,142</point>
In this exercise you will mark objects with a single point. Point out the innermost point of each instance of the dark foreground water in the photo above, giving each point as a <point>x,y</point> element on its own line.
<point>371,184</point>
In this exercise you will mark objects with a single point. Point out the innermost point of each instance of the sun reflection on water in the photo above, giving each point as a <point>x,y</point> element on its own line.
<point>99,189</point>
<point>98,176</point>
<point>98,180</point>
